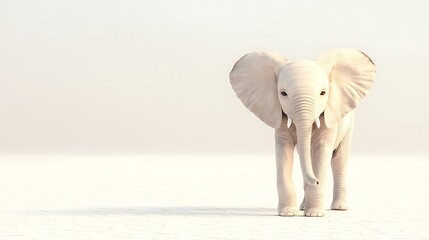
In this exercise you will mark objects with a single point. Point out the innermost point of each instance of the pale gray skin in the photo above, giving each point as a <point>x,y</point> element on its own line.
<point>329,146</point>
<point>319,98</point>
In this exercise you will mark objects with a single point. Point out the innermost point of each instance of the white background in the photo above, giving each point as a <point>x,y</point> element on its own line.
<point>151,77</point>
<point>117,78</point>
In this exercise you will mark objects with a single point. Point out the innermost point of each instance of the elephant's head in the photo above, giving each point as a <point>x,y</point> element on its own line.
<point>269,85</point>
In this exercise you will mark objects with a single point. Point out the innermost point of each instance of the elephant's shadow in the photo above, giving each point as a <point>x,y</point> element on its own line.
<point>159,211</point>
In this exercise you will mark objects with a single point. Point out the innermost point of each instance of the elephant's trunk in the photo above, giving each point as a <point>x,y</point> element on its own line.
<point>304,123</point>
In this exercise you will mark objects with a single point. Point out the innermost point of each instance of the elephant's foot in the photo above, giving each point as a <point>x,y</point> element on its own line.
<point>314,201</point>
<point>339,205</point>
<point>287,211</point>
<point>314,212</point>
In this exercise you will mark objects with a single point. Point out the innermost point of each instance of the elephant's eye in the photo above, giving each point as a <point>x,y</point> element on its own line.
<point>322,93</point>
<point>283,93</point>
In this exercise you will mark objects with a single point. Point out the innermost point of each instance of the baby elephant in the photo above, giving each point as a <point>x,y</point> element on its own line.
<point>310,105</point>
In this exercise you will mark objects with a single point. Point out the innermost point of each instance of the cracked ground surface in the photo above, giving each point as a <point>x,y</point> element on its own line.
<point>201,197</point>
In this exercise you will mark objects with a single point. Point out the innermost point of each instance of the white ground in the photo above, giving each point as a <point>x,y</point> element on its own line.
<point>201,197</point>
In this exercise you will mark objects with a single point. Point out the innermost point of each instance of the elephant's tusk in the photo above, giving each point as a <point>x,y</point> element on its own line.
<point>317,121</point>
<point>289,122</point>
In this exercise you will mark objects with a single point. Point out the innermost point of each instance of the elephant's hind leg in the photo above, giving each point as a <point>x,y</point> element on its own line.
<point>302,206</point>
<point>339,170</point>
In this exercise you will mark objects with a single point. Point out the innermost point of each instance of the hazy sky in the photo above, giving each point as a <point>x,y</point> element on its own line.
<point>151,77</point>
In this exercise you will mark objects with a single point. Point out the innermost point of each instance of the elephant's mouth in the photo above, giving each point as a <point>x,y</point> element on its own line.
<point>317,121</point>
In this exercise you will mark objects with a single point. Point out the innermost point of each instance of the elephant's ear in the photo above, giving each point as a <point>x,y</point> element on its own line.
<point>352,74</point>
<point>254,80</point>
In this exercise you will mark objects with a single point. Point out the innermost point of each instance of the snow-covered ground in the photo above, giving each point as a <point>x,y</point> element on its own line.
<point>201,197</point>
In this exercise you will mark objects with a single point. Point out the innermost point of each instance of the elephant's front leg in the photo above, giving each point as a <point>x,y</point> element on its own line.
<point>285,187</point>
<point>315,195</point>
<point>339,165</point>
